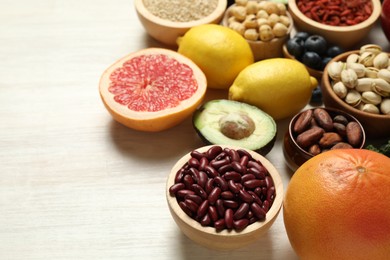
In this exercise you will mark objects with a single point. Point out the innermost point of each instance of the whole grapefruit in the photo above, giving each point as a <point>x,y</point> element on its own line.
<point>337,206</point>
<point>152,89</point>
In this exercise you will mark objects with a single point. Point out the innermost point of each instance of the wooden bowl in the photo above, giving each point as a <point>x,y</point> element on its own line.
<point>314,73</point>
<point>224,239</point>
<point>343,36</point>
<point>375,125</point>
<point>166,31</point>
<point>264,50</point>
<point>295,155</point>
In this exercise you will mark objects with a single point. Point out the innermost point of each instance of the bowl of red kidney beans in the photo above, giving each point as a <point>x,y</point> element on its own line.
<point>224,197</point>
<point>342,22</point>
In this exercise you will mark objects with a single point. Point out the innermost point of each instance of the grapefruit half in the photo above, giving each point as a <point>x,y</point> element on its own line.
<point>152,89</point>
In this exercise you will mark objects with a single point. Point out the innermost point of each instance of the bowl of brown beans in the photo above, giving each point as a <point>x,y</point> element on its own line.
<point>166,20</point>
<point>342,22</point>
<point>317,130</point>
<point>266,26</point>
<point>224,197</point>
<point>358,82</point>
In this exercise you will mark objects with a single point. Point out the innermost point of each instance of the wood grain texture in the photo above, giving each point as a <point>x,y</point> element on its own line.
<point>74,184</point>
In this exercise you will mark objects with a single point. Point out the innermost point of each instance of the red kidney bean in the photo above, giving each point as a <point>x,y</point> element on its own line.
<point>255,171</point>
<point>242,211</point>
<point>210,171</point>
<point>234,156</point>
<point>268,181</point>
<point>199,191</point>
<point>214,195</point>
<point>265,205</point>
<point>238,167</point>
<point>188,181</point>
<point>220,224</point>
<point>230,204</point>
<point>193,162</point>
<point>244,160</point>
<point>227,195</point>
<point>240,224</point>
<point>195,198</point>
<point>213,152</point>
<point>182,193</point>
<point>258,191</point>
<point>255,164</point>
<point>225,168</point>
<point>255,198</point>
<point>229,218</point>
<point>202,179</point>
<point>233,187</point>
<point>253,220</point>
<point>252,184</point>
<point>221,156</point>
<point>203,208</point>
<point>206,220</point>
<point>220,207</point>
<point>245,196</point>
<point>247,177</point>
<point>221,183</point>
<point>249,215</point>
<point>271,193</point>
<point>258,211</point>
<point>202,163</point>
<point>179,175</point>
<point>194,174</point>
<point>213,213</point>
<point>197,155</point>
<point>191,205</point>
<point>243,153</point>
<point>216,164</point>
<point>186,210</point>
<point>232,175</point>
<point>209,185</point>
<point>176,187</point>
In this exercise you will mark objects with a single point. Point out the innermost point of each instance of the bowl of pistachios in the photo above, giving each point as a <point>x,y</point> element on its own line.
<point>266,25</point>
<point>358,82</point>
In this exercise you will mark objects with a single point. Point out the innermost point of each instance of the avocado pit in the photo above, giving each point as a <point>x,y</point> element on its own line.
<point>236,125</point>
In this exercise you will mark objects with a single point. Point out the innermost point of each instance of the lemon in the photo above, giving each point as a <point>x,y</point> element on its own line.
<point>280,87</point>
<point>220,52</point>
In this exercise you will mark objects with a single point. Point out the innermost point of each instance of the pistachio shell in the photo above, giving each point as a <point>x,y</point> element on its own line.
<point>381,87</point>
<point>352,58</point>
<point>371,97</point>
<point>373,48</point>
<point>385,106</point>
<point>384,74</point>
<point>334,70</point>
<point>358,68</point>
<point>349,78</point>
<point>340,90</point>
<point>371,72</point>
<point>381,60</point>
<point>370,108</point>
<point>353,98</point>
<point>364,84</point>
<point>367,59</point>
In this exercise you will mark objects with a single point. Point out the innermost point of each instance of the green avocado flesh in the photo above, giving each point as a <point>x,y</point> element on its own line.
<point>228,122</point>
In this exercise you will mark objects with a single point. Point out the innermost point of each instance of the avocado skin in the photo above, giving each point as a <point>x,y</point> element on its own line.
<point>264,150</point>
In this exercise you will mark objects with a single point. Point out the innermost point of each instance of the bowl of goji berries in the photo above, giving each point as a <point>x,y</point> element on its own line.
<point>343,22</point>
<point>224,197</point>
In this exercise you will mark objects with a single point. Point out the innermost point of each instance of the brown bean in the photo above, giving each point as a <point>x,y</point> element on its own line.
<point>229,218</point>
<point>340,128</point>
<point>309,137</point>
<point>354,134</point>
<point>341,145</point>
<point>314,149</point>
<point>323,119</point>
<point>242,211</point>
<point>258,211</point>
<point>329,139</point>
<point>214,195</point>
<point>340,119</point>
<point>240,224</point>
<point>303,121</point>
<point>176,187</point>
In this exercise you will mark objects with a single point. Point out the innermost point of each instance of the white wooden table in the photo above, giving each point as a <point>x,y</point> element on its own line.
<point>74,184</point>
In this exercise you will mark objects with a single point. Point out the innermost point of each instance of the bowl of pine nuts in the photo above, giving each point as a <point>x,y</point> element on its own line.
<point>224,197</point>
<point>266,26</point>
<point>342,23</point>
<point>166,20</point>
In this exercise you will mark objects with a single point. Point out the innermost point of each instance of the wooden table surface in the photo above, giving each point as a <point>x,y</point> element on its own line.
<point>74,184</point>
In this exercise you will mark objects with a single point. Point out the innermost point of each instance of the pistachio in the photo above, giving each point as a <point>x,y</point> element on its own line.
<point>353,98</point>
<point>385,106</point>
<point>370,108</point>
<point>334,70</point>
<point>371,72</point>
<point>340,89</point>
<point>367,59</point>
<point>373,48</point>
<point>371,97</point>
<point>352,58</point>
<point>384,74</point>
<point>358,68</point>
<point>381,60</point>
<point>364,84</point>
<point>381,87</point>
<point>349,78</point>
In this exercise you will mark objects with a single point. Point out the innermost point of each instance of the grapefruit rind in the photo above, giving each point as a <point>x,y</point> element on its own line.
<point>158,120</point>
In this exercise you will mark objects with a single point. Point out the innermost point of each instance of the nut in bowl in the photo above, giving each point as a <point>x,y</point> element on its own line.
<point>166,21</point>
<point>358,82</point>
<point>265,25</point>
<point>343,23</point>
<point>316,130</point>
<point>224,197</point>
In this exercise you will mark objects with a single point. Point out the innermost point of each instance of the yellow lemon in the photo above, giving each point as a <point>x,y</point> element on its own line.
<point>220,52</point>
<point>280,87</point>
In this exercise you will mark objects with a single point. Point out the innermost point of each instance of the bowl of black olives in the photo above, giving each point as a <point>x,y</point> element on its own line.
<point>312,50</point>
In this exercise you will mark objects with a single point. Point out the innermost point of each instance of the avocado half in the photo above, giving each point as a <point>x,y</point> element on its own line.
<point>228,122</point>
